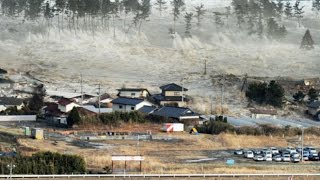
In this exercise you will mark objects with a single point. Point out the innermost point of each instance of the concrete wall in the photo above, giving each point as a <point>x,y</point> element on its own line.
<point>18,118</point>
<point>134,94</point>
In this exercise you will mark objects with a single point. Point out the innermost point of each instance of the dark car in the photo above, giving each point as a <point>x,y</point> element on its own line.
<point>313,157</point>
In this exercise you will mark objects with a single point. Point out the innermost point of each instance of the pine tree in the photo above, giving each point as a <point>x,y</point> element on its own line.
<point>298,11</point>
<point>188,18</point>
<point>316,6</point>
<point>200,11</point>
<point>218,20</point>
<point>288,9</point>
<point>73,117</point>
<point>307,41</point>
<point>279,8</point>
<point>260,26</point>
<point>161,5</point>
<point>177,7</point>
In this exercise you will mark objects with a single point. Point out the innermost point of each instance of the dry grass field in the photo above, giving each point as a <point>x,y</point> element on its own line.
<point>172,156</point>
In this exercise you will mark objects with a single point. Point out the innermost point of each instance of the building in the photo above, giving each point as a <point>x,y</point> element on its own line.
<point>7,102</point>
<point>128,104</point>
<point>263,113</point>
<point>66,105</point>
<point>53,115</point>
<point>172,95</point>
<point>314,109</point>
<point>134,93</point>
<point>179,114</point>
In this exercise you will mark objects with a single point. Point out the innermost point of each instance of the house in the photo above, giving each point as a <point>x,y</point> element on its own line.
<point>7,102</point>
<point>3,73</point>
<point>314,109</point>
<point>171,95</point>
<point>66,105</point>
<point>177,113</point>
<point>128,104</point>
<point>53,114</point>
<point>263,113</point>
<point>96,110</point>
<point>134,92</point>
<point>147,109</point>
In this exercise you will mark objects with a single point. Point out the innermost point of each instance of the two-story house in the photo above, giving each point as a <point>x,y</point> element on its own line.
<point>134,93</point>
<point>66,105</point>
<point>172,95</point>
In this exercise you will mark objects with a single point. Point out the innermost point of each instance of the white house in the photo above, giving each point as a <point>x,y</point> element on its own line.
<point>133,92</point>
<point>129,104</point>
<point>263,113</point>
<point>6,102</point>
<point>66,105</point>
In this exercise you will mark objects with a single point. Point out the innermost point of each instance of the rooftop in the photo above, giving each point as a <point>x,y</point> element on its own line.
<point>174,112</point>
<point>147,109</point>
<point>10,101</point>
<point>172,87</point>
<point>64,102</point>
<point>127,101</point>
<point>132,89</point>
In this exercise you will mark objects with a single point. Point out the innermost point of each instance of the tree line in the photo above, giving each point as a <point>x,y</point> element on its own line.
<point>257,17</point>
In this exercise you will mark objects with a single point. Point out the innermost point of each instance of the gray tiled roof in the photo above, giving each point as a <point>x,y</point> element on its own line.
<point>174,112</point>
<point>172,87</point>
<point>314,104</point>
<point>127,101</point>
<point>10,101</point>
<point>147,109</point>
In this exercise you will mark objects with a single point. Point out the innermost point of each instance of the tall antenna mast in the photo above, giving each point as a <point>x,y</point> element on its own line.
<point>99,98</point>
<point>81,89</point>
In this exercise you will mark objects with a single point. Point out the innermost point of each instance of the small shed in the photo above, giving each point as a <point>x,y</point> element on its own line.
<point>37,133</point>
<point>263,113</point>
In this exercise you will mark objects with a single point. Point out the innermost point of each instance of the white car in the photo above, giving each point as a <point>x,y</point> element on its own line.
<point>285,158</point>
<point>268,158</point>
<point>277,158</point>
<point>248,154</point>
<point>274,150</point>
<point>258,158</point>
<point>291,150</point>
<point>295,157</point>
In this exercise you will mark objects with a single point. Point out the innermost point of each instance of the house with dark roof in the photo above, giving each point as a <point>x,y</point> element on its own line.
<point>178,114</point>
<point>53,115</point>
<point>66,105</point>
<point>6,102</point>
<point>134,92</point>
<point>172,95</point>
<point>314,109</point>
<point>129,104</point>
<point>147,109</point>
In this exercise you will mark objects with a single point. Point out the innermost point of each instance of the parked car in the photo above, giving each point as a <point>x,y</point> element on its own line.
<point>313,157</point>
<point>285,158</point>
<point>277,158</point>
<point>238,152</point>
<point>257,152</point>
<point>295,157</point>
<point>306,155</point>
<point>267,156</point>
<point>311,150</point>
<point>248,154</point>
<point>291,150</point>
<point>258,158</point>
<point>299,149</point>
<point>274,150</point>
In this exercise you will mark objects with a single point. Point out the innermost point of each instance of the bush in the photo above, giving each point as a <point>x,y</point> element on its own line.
<point>44,163</point>
<point>114,118</point>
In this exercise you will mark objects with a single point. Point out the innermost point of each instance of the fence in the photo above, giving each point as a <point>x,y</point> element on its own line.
<point>157,175</point>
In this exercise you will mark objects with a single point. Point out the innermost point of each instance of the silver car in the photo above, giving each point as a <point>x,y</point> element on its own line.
<point>277,158</point>
<point>285,158</point>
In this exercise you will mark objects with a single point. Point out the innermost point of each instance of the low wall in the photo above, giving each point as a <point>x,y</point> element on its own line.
<point>8,118</point>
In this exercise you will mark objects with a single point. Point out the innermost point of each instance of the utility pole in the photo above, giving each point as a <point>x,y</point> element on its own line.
<point>205,67</point>
<point>182,92</point>
<point>302,143</point>
<point>81,89</point>
<point>211,105</point>
<point>222,94</point>
<point>99,98</point>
